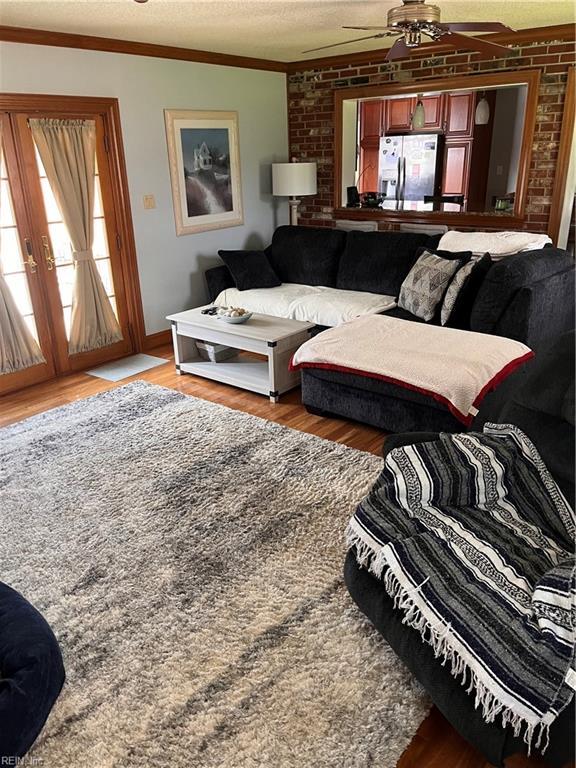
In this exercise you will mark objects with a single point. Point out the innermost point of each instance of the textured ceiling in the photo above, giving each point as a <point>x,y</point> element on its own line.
<point>273,29</point>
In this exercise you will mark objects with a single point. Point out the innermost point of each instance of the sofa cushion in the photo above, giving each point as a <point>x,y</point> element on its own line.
<point>307,255</point>
<point>402,314</point>
<point>508,276</point>
<point>379,261</point>
<point>422,291</point>
<point>462,291</point>
<point>310,303</point>
<point>551,379</point>
<point>250,269</point>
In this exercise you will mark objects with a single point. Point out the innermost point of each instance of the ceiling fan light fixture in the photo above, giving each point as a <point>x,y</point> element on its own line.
<point>482,114</point>
<point>418,116</point>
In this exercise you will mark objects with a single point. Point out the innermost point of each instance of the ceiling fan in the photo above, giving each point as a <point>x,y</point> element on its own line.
<point>415,18</point>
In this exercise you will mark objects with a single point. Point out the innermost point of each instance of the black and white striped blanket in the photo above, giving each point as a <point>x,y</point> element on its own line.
<point>473,540</point>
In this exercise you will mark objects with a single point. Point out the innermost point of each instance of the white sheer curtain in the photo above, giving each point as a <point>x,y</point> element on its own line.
<point>18,348</point>
<point>68,151</point>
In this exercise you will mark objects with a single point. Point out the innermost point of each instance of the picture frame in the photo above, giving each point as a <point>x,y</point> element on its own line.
<point>204,158</point>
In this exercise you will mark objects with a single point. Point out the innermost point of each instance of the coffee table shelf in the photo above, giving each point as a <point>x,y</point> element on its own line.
<point>275,338</point>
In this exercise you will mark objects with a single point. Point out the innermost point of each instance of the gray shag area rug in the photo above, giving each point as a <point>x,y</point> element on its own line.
<point>189,559</point>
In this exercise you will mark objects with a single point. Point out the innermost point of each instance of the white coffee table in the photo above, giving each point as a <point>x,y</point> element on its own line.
<point>274,337</point>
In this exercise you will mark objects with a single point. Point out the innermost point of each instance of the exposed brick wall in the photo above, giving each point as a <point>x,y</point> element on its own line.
<point>311,115</point>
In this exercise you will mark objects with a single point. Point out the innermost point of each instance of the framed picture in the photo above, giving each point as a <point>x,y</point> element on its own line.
<point>205,169</point>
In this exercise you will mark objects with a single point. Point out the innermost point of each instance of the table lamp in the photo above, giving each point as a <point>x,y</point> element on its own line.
<point>292,180</point>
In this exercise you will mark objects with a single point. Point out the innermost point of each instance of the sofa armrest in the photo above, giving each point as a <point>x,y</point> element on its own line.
<point>540,311</point>
<point>217,280</point>
<point>510,275</point>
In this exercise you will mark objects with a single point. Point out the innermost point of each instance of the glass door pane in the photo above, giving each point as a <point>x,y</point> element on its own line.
<point>11,256</point>
<point>21,269</point>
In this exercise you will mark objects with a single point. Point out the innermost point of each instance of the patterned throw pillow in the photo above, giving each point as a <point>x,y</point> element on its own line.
<point>462,291</point>
<point>454,289</point>
<point>426,283</point>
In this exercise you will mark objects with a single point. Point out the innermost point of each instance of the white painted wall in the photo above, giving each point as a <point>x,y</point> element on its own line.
<point>171,268</point>
<point>349,142</point>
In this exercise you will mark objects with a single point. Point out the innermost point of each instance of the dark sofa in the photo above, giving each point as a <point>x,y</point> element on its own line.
<point>528,297</point>
<point>544,409</point>
<point>376,262</point>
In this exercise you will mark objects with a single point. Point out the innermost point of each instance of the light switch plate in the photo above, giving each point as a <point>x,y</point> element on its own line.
<point>149,202</point>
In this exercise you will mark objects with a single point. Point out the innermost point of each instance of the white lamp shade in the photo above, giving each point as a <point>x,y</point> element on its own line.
<point>293,179</point>
<point>482,115</point>
<point>419,116</point>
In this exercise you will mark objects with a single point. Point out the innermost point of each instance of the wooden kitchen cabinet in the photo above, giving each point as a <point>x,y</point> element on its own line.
<point>371,127</point>
<point>433,111</point>
<point>456,171</point>
<point>371,123</point>
<point>459,115</point>
<point>398,115</point>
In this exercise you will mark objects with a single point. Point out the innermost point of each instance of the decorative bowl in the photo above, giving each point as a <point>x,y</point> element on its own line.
<point>236,320</point>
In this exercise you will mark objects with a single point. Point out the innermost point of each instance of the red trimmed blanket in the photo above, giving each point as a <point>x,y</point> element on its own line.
<point>457,368</point>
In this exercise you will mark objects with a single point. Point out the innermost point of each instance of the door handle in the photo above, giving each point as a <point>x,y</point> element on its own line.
<point>48,255</point>
<point>29,261</point>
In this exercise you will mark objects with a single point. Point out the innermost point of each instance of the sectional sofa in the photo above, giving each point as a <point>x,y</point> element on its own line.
<point>329,276</point>
<point>544,409</point>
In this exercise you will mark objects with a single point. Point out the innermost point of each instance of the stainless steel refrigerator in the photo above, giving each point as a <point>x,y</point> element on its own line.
<point>409,167</point>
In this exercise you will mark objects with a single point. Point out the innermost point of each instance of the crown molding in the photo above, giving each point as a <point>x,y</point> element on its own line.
<point>378,55</point>
<point>112,45</point>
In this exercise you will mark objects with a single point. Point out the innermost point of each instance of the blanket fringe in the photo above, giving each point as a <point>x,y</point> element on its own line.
<point>437,637</point>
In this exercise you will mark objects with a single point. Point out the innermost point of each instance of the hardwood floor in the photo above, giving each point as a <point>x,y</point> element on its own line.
<point>436,745</point>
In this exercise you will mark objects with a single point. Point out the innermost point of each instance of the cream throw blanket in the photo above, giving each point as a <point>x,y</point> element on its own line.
<point>497,244</point>
<point>457,368</point>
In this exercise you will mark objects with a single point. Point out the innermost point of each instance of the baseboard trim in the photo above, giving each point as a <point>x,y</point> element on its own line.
<point>158,339</point>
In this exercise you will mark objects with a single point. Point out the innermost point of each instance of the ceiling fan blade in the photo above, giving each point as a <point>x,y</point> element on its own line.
<point>474,44</point>
<point>398,51</point>
<point>392,31</point>
<point>476,26</point>
<point>346,42</point>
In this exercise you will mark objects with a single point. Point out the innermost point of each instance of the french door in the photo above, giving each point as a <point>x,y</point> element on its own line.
<point>36,256</point>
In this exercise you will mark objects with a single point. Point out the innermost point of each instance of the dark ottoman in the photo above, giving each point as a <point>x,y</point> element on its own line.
<point>31,673</point>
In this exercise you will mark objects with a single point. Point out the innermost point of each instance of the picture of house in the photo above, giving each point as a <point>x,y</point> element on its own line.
<point>206,157</point>
<point>202,159</point>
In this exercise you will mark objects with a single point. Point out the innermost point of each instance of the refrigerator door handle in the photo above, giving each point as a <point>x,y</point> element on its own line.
<point>402,178</point>
<point>398,178</point>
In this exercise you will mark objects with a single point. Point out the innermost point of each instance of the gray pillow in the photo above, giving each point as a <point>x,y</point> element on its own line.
<point>455,287</point>
<point>426,284</point>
